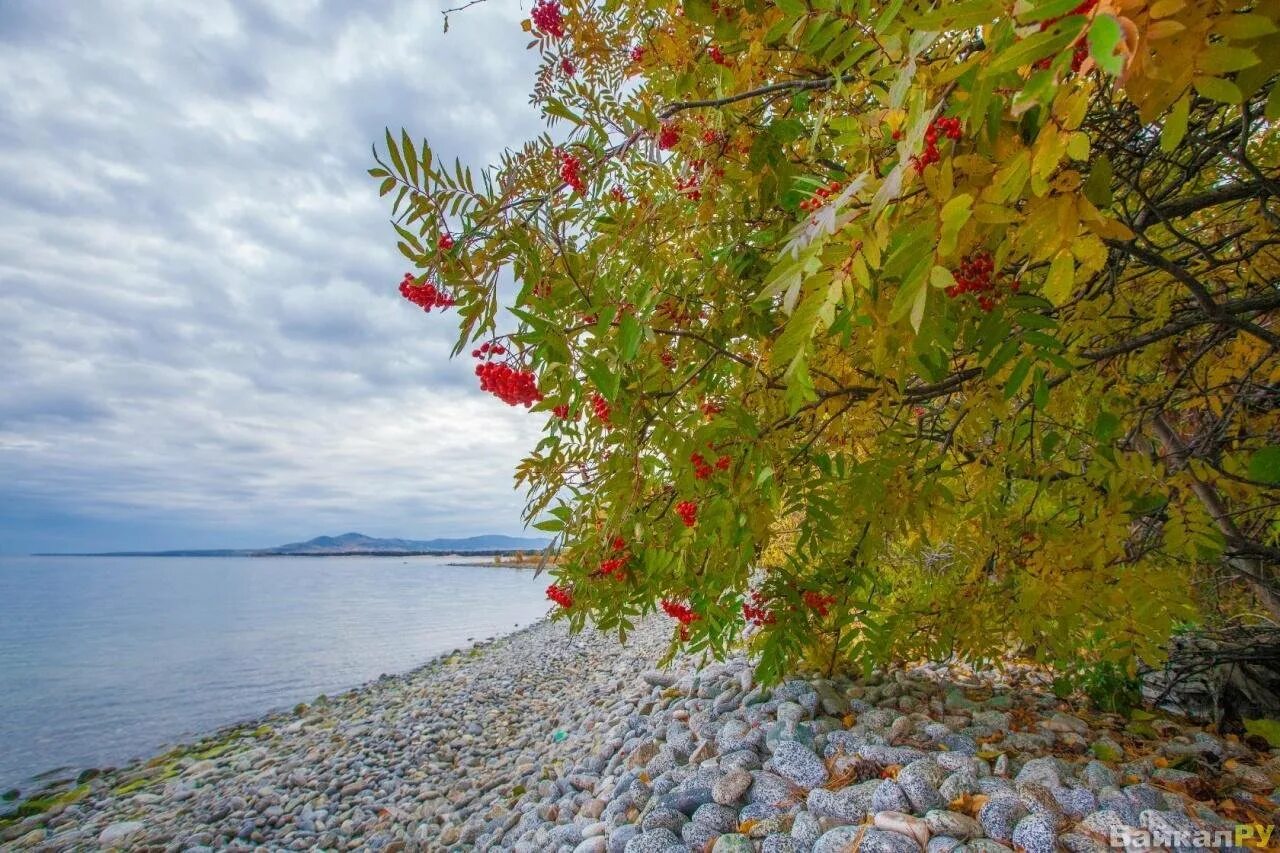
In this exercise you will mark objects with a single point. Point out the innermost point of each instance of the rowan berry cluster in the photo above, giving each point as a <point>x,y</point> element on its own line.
<point>561,595</point>
<point>820,196</point>
<point>818,602</point>
<point>668,359</point>
<point>547,18</point>
<point>562,412</point>
<point>637,53</point>
<point>567,68</point>
<point>948,127</point>
<point>445,243</point>
<point>688,512</point>
<point>710,409</point>
<point>976,274</point>
<point>425,296</point>
<point>757,612</point>
<point>511,386</point>
<point>618,194</point>
<point>679,611</point>
<point>668,135</point>
<point>702,470</point>
<point>717,56</point>
<point>571,172</point>
<point>601,409</point>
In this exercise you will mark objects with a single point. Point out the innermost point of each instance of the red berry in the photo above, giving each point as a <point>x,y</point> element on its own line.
<point>445,243</point>
<point>561,595</point>
<point>570,172</point>
<point>426,296</point>
<point>688,512</point>
<point>637,53</point>
<point>548,18</point>
<point>668,136</point>
<point>566,67</point>
<point>679,611</point>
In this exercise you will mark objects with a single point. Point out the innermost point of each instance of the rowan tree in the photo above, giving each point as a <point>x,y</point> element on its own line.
<point>878,329</point>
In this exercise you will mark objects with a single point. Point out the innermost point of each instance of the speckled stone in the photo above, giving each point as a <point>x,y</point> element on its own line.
<point>849,804</point>
<point>805,829</point>
<point>737,735</point>
<point>654,841</point>
<point>1036,833</point>
<point>1045,771</point>
<point>958,784</point>
<point>919,781</point>
<point>661,818</point>
<point>1075,802</point>
<point>730,787</point>
<point>889,797</point>
<point>799,764</point>
<point>770,788</point>
<point>884,841</point>
<point>716,817</point>
<point>838,840</point>
<point>999,815</point>
<point>1040,800</point>
<point>942,822</point>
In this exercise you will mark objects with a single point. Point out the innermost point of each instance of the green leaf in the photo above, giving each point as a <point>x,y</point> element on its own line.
<point>799,329</point>
<point>630,334</point>
<point>1037,46</point>
<point>1221,59</point>
<point>410,157</point>
<point>1104,37</point>
<point>605,379</point>
<point>1272,109</point>
<point>1061,279</point>
<point>1217,89</point>
<point>1175,126</point>
<point>1016,377</point>
<point>955,213</point>
<point>394,154</point>
<point>1264,465</point>
<point>1097,188</point>
<point>551,525</point>
<point>959,16</point>
<point>1245,26</point>
<point>1047,9</point>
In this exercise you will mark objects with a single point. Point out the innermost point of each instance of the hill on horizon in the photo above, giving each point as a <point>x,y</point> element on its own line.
<point>353,543</point>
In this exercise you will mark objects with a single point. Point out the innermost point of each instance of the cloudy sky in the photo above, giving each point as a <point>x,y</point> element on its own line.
<point>201,342</point>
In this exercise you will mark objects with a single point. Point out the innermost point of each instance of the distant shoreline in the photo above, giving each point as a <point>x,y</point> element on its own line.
<point>489,553</point>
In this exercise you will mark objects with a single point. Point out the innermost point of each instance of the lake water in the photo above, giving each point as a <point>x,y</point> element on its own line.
<point>104,659</point>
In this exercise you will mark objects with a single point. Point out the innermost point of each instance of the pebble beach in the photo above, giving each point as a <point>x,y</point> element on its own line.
<point>542,741</point>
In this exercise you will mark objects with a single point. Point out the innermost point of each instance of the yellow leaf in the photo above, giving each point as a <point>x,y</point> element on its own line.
<point>1165,8</point>
<point>1060,281</point>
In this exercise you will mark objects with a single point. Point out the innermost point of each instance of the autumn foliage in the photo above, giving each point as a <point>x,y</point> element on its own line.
<point>885,329</point>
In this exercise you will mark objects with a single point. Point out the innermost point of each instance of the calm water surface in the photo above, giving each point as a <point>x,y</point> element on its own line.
<point>103,659</point>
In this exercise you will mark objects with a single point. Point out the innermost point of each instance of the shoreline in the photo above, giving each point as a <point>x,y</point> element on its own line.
<point>536,740</point>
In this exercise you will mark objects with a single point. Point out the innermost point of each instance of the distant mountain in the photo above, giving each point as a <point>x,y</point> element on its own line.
<point>357,543</point>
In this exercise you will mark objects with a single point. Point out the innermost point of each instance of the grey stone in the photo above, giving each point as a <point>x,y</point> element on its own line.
<point>653,841</point>
<point>716,817</point>
<point>799,764</point>
<point>999,815</point>
<point>889,797</point>
<point>1036,833</point>
<point>770,788</point>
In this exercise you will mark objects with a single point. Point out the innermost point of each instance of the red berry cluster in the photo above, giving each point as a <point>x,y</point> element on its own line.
<point>948,127</point>
<point>425,296</point>
<point>673,312</point>
<point>717,56</point>
<point>817,602</point>
<point>711,409</point>
<point>541,290</point>
<point>615,564</point>
<point>561,595</point>
<point>820,196</point>
<point>703,470</point>
<point>688,512</point>
<point>637,53</point>
<point>601,409</point>
<point>690,186</point>
<point>548,18</point>
<point>445,243</point>
<point>562,412</point>
<point>567,67</point>
<point>668,359</point>
<point>511,386</point>
<point>976,275</point>
<point>618,194</point>
<point>668,135</point>
<point>757,611</point>
<point>679,611</point>
<point>571,172</point>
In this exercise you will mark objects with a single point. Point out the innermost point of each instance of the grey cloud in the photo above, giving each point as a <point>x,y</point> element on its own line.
<point>198,318</point>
